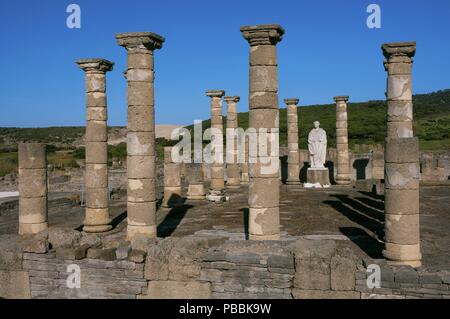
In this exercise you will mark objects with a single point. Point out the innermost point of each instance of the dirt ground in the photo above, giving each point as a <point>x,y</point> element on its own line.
<point>339,213</point>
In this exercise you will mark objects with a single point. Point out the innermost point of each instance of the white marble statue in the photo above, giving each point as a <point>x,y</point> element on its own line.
<point>317,146</point>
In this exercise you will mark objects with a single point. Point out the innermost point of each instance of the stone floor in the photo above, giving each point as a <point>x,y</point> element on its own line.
<point>339,213</point>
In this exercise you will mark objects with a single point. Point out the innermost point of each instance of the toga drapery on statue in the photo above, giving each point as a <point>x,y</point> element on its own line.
<point>317,146</point>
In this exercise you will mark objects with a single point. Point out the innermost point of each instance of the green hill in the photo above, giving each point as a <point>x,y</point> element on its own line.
<point>366,121</point>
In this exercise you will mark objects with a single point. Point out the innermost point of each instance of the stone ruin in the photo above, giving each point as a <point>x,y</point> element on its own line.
<point>264,262</point>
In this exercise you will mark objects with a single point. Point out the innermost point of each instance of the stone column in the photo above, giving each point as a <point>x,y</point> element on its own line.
<point>96,142</point>
<point>196,190</point>
<point>217,173</point>
<point>172,181</point>
<point>233,171</point>
<point>141,156</point>
<point>244,166</point>
<point>32,188</point>
<point>401,174</point>
<point>342,156</point>
<point>264,185</point>
<point>293,177</point>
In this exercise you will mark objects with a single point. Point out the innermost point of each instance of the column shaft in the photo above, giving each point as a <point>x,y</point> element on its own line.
<point>141,155</point>
<point>172,181</point>
<point>293,177</point>
<point>402,231</point>
<point>342,156</point>
<point>196,190</point>
<point>96,173</point>
<point>264,188</point>
<point>233,171</point>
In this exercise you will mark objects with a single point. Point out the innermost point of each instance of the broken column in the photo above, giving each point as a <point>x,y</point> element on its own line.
<point>216,189</point>
<point>264,188</point>
<point>32,188</point>
<point>233,171</point>
<point>172,181</point>
<point>196,190</point>
<point>402,231</point>
<point>141,156</point>
<point>342,156</point>
<point>293,176</point>
<point>96,142</point>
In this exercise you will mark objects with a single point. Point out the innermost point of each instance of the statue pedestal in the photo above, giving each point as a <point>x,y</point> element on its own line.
<point>317,178</point>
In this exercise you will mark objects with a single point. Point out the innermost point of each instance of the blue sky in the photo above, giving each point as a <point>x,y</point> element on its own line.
<point>327,50</point>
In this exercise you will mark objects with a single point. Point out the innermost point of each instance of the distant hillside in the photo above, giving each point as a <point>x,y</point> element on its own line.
<point>367,121</point>
<point>366,125</point>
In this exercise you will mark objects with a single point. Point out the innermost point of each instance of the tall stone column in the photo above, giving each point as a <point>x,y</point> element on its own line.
<point>343,159</point>
<point>233,171</point>
<point>264,186</point>
<point>401,175</point>
<point>172,180</point>
<point>217,173</point>
<point>141,156</point>
<point>96,142</point>
<point>196,190</point>
<point>293,177</point>
<point>32,188</point>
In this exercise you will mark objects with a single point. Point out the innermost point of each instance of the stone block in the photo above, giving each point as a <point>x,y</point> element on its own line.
<point>263,100</point>
<point>402,201</point>
<point>14,285</point>
<point>263,79</point>
<point>402,176</point>
<point>280,261</point>
<point>96,131</point>
<point>342,273</point>
<point>324,294</point>
<point>263,55</point>
<point>178,290</point>
<point>264,192</point>
<point>402,229</point>
<point>402,150</point>
<point>33,182</point>
<point>137,256</point>
<point>141,167</point>
<point>312,273</point>
<point>141,118</point>
<point>32,155</point>
<point>72,253</point>
<point>107,254</point>
<point>96,153</point>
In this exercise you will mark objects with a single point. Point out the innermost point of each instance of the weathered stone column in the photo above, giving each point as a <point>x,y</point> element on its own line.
<point>264,186</point>
<point>244,166</point>
<point>196,190</point>
<point>233,171</point>
<point>141,156</point>
<point>217,173</point>
<point>401,175</point>
<point>172,180</point>
<point>342,156</point>
<point>96,142</point>
<point>32,188</point>
<point>293,177</point>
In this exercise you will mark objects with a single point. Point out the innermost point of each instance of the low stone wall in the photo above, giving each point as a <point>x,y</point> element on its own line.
<point>201,267</point>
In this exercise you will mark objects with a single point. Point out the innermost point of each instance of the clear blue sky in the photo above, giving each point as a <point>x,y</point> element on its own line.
<point>327,50</point>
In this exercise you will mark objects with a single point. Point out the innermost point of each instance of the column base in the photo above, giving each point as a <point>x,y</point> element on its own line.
<point>244,179</point>
<point>317,178</point>
<point>343,181</point>
<point>96,228</point>
<point>216,196</point>
<point>264,237</point>
<point>397,254</point>
<point>196,192</point>
<point>233,186</point>
<point>146,231</point>
<point>293,182</point>
<point>32,228</point>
